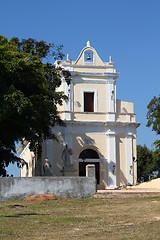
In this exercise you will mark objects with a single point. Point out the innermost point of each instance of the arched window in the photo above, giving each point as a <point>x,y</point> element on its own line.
<point>89,153</point>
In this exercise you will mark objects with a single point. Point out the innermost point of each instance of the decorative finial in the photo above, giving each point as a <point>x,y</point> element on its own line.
<point>67,57</point>
<point>110,59</point>
<point>88,43</point>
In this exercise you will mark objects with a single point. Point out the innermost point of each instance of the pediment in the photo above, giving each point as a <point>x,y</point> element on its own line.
<point>89,57</point>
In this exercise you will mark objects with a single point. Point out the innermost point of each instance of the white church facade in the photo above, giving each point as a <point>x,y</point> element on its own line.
<point>100,129</point>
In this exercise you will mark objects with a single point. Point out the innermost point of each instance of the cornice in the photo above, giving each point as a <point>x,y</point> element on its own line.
<point>91,65</point>
<point>94,81</point>
<point>103,75</point>
<point>72,64</point>
<point>100,123</point>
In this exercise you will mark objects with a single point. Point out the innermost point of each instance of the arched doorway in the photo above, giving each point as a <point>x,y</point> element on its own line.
<point>89,156</point>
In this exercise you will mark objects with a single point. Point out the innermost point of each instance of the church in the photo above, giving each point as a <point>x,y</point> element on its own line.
<point>100,129</point>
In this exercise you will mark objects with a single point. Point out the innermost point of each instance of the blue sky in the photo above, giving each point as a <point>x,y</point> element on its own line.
<point>127,30</point>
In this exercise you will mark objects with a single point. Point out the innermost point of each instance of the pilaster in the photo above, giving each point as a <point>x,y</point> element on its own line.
<point>68,141</point>
<point>129,159</point>
<point>68,104</point>
<point>112,168</point>
<point>49,149</point>
<point>111,96</point>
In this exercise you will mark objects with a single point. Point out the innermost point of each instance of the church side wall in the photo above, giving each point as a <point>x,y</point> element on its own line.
<point>126,154</point>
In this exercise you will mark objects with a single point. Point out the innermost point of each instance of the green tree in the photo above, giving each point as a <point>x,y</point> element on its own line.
<point>144,162</point>
<point>153,117</point>
<point>147,161</point>
<point>156,160</point>
<point>28,95</point>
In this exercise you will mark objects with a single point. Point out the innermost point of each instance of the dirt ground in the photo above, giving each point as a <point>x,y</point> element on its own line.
<point>144,189</point>
<point>41,197</point>
<point>153,184</point>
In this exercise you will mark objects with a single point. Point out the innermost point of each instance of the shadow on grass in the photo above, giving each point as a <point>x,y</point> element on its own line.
<point>17,215</point>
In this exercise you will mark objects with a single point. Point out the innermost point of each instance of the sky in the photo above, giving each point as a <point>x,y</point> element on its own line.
<point>127,30</point>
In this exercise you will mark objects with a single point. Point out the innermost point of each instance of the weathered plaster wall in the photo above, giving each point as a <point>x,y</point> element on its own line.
<point>71,187</point>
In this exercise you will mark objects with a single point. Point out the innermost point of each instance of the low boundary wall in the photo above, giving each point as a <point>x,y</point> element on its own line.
<point>66,187</point>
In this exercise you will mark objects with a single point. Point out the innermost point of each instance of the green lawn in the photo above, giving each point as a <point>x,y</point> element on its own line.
<point>113,218</point>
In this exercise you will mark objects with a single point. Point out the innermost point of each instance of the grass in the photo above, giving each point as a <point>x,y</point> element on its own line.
<point>112,217</point>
